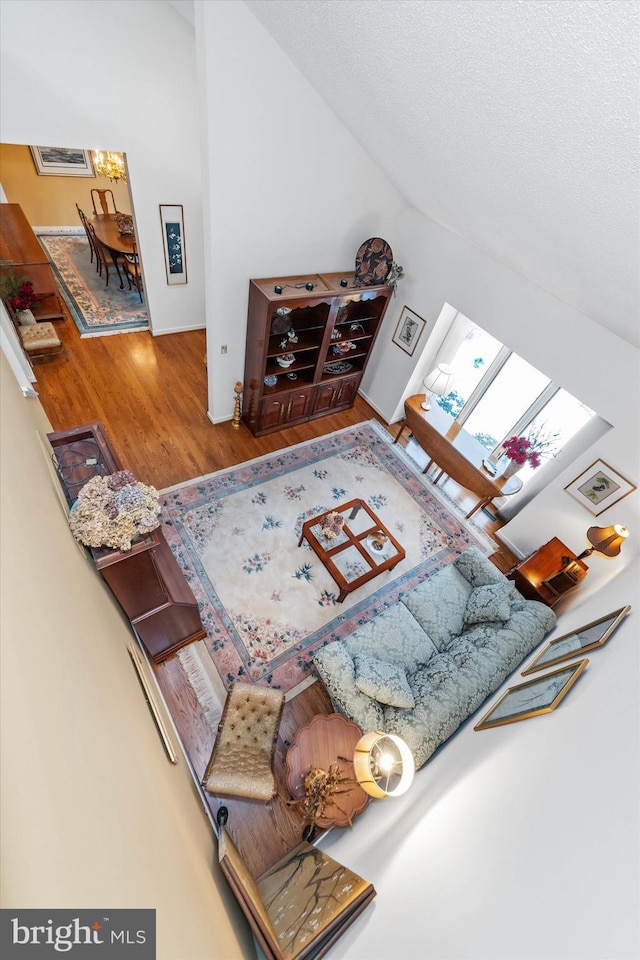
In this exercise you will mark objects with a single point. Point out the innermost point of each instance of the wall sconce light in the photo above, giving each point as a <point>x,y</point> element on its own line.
<point>383,764</point>
<point>437,383</point>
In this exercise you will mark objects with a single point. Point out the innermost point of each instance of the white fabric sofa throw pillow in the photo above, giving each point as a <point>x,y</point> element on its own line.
<point>384,682</point>
<point>489,604</point>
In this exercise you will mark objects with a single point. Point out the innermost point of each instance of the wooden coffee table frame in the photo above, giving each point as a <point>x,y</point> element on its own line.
<point>352,539</point>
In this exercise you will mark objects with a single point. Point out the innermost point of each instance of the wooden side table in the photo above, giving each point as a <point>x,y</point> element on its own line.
<point>548,573</point>
<point>328,741</point>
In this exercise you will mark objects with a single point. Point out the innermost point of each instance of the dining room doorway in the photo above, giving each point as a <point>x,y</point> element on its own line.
<point>61,190</point>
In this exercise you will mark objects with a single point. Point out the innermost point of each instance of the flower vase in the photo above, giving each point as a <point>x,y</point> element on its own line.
<point>25,318</point>
<point>511,468</point>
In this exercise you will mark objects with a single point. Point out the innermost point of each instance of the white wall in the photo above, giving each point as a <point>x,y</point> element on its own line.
<point>520,842</point>
<point>592,363</point>
<point>289,189</point>
<point>92,812</point>
<point>121,76</point>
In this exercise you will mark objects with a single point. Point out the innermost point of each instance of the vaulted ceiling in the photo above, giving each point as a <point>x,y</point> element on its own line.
<point>513,123</point>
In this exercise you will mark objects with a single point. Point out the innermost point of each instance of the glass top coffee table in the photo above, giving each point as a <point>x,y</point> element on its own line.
<point>360,551</point>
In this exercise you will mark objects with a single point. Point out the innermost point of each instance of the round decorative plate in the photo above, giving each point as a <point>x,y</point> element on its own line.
<point>337,366</point>
<point>373,262</point>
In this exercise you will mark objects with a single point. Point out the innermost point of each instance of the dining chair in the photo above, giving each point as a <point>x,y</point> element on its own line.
<point>132,269</point>
<point>103,199</point>
<point>85,224</point>
<point>102,254</point>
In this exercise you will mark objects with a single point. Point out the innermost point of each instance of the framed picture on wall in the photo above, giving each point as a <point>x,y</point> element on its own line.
<point>599,487</point>
<point>62,162</point>
<point>589,637</point>
<point>409,330</point>
<point>530,699</point>
<point>172,220</point>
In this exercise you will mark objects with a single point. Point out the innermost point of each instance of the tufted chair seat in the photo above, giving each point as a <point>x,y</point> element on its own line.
<point>240,765</point>
<point>40,340</point>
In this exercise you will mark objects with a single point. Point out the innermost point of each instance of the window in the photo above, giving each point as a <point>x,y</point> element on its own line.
<point>496,394</point>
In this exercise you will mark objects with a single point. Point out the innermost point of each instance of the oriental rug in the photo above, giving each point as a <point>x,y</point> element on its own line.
<point>96,309</point>
<point>266,603</point>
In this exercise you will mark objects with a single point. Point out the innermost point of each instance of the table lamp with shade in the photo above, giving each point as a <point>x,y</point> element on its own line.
<point>383,764</point>
<point>437,383</point>
<point>605,540</point>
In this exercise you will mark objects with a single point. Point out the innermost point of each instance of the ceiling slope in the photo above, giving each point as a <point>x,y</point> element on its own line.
<point>512,123</point>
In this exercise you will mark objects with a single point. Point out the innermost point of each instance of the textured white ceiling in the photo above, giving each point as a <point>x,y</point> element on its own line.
<point>514,123</point>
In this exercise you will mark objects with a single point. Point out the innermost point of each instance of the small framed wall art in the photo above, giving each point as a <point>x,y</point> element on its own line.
<point>62,162</point>
<point>409,330</point>
<point>172,220</point>
<point>599,487</point>
<point>530,699</point>
<point>589,637</point>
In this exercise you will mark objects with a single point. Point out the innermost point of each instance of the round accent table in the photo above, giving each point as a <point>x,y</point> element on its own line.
<point>327,740</point>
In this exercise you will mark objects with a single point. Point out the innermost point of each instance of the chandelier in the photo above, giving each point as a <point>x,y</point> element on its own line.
<point>110,165</point>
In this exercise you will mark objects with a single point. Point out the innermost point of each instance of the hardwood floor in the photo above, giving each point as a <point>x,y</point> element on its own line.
<point>151,395</point>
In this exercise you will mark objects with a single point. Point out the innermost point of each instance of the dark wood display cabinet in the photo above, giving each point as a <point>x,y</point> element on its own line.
<point>145,580</point>
<point>309,339</point>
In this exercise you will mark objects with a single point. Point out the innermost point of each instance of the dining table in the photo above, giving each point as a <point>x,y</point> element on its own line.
<point>117,244</point>
<point>455,452</point>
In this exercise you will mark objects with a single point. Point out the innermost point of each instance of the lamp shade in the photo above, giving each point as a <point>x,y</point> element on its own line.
<point>607,540</point>
<point>383,764</point>
<point>438,380</point>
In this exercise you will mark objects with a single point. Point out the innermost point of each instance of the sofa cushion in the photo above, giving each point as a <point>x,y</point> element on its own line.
<point>394,636</point>
<point>489,604</point>
<point>478,569</point>
<point>383,681</point>
<point>439,605</point>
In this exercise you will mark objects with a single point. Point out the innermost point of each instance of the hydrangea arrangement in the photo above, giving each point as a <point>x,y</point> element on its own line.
<point>332,525</point>
<point>113,511</point>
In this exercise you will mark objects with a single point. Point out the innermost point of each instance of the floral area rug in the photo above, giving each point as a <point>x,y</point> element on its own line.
<point>267,604</point>
<point>96,309</point>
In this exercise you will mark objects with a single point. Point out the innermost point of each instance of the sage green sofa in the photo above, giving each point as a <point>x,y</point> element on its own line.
<point>425,664</point>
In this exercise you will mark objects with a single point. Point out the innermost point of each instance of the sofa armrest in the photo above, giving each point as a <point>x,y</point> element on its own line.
<point>477,569</point>
<point>335,667</point>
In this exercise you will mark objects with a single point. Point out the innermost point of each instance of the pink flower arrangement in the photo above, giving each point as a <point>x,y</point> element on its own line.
<point>530,449</point>
<point>25,298</point>
<point>519,449</point>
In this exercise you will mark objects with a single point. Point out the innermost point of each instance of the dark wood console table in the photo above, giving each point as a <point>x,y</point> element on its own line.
<point>146,580</point>
<point>21,249</point>
<point>548,573</point>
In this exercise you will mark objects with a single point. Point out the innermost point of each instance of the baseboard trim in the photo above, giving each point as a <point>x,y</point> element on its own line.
<point>216,420</point>
<point>499,535</point>
<point>377,408</point>
<point>161,333</point>
<point>70,231</point>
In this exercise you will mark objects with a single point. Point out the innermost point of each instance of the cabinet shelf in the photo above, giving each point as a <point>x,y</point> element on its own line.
<point>314,315</point>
